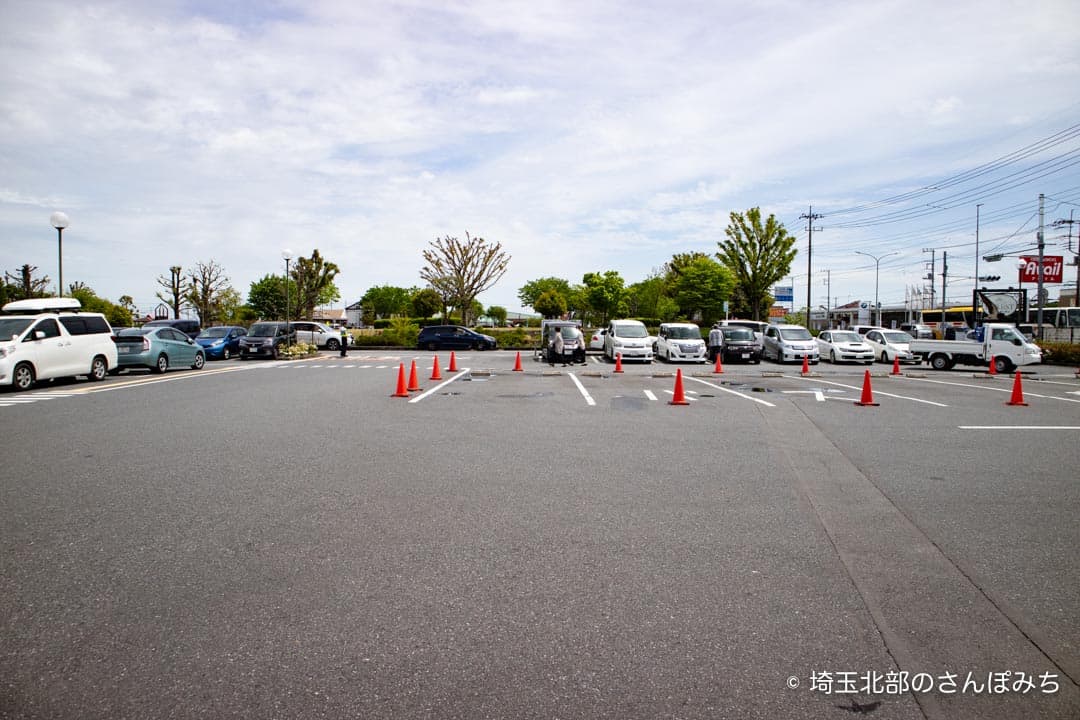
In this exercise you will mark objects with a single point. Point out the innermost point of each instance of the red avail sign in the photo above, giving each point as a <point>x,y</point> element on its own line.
<point>1052,268</point>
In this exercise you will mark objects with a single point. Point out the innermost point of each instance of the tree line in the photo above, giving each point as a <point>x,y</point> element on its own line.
<point>754,256</point>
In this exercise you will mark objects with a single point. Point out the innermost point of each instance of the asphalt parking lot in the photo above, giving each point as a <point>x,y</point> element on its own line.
<point>287,539</point>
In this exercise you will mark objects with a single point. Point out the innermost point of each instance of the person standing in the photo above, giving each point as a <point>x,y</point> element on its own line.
<point>344,341</point>
<point>557,347</point>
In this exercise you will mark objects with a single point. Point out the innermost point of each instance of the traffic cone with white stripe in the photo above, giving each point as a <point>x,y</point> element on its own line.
<point>679,398</point>
<point>992,370</point>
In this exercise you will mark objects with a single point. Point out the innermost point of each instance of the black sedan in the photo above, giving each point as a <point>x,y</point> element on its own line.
<point>453,337</point>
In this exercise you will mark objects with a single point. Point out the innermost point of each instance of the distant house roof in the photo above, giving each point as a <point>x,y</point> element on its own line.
<point>332,315</point>
<point>358,305</point>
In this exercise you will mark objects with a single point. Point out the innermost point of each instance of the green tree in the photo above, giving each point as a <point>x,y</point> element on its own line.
<point>459,271</point>
<point>643,298</point>
<point>314,277</point>
<point>700,288</point>
<point>267,297</point>
<point>425,303</point>
<point>174,290</point>
<point>759,255</point>
<point>387,300</point>
<point>550,304</point>
<point>497,313</point>
<point>604,294</point>
<point>531,291</point>
<point>117,315</point>
<point>207,286</point>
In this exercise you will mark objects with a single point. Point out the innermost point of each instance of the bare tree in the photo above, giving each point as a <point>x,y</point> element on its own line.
<point>25,284</point>
<point>206,286</point>
<point>459,271</point>
<point>176,288</point>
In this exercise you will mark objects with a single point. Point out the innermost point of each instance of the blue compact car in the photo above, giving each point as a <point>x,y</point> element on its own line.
<point>221,343</point>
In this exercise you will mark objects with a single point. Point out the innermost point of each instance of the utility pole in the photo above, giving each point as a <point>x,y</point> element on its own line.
<point>1042,246</point>
<point>810,218</point>
<point>975,309</point>
<point>930,276</point>
<point>1076,260</point>
<point>944,281</point>
<point>828,294</point>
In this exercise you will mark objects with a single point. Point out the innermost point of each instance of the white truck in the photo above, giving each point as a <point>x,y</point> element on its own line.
<point>1002,342</point>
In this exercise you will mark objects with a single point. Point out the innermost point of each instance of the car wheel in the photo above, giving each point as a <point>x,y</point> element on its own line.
<point>98,369</point>
<point>832,356</point>
<point>225,354</point>
<point>884,357</point>
<point>1002,364</point>
<point>333,344</point>
<point>474,347</point>
<point>200,360</point>
<point>162,364</point>
<point>276,352</point>
<point>940,362</point>
<point>23,377</point>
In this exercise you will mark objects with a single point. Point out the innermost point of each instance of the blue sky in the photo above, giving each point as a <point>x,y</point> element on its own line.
<point>582,136</point>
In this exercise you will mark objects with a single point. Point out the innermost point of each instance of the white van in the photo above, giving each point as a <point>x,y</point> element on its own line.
<point>48,338</point>
<point>628,338</point>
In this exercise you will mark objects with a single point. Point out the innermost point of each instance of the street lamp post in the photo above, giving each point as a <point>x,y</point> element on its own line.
<point>59,221</point>
<point>287,255</point>
<point>877,267</point>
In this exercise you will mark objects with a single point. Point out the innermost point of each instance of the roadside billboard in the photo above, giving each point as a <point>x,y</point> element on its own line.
<point>1052,268</point>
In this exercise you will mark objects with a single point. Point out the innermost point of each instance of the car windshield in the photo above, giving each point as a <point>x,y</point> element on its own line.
<point>795,334</point>
<point>846,337</point>
<point>631,331</point>
<point>897,337</point>
<point>738,334</point>
<point>571,333</point>
<point>217,332</point>
<point>138,331</point>
<point>678,332</point>
<point>263,330</point>
<point>13,327</point>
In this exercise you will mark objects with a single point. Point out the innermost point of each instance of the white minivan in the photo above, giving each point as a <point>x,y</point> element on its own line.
<point>628,338</point>
<point>48,338</point>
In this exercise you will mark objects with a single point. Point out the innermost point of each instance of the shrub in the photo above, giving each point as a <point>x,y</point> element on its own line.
<point>299,350</point>
<point>402,331</point>
<point>1060,353</point>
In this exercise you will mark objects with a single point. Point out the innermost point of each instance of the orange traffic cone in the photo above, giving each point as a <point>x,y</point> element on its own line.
<point>805,364</point>
<point>992,370</point>
<point>867,394</point>
<point>1017,392</point>
<point>618,362</point>
<point>401,391</point>
<point>414,385</point>
<point>453,363</point>
<point>435,374</point>
<point>517,363</point>
<point>896,365</point>
<point>719,369</point>
<point>679,398</point>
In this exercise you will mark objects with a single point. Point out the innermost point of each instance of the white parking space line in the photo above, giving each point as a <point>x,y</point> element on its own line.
<point>1019,427</point>
<point>443,384</point>
<point>818,395</point>
<point>994,389</point>
<point>691,399</point>
<point>581,388</point>
<point>649,394</point>
<point>876,391</point>
<point>727,390</point>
